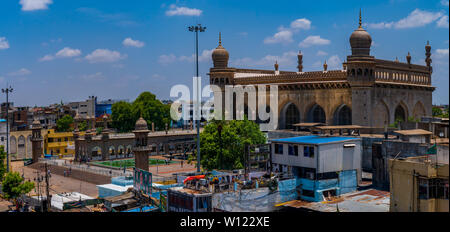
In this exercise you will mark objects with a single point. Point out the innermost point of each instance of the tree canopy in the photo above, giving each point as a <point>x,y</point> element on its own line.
<point>227,151</point>
<point>64,124</point>
<point>13,185</point>
<point>2,162</point>
<point>124,115</point>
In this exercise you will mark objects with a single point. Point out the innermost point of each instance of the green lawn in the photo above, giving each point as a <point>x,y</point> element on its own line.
<point>130,162</point>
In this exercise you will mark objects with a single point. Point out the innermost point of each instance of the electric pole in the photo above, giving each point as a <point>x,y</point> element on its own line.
<point>197,29</point>
<point>7,91</point>
<point>47,188</point>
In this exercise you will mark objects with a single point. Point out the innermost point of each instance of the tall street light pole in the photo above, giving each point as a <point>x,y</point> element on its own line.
<point>197,29</point>
<point>7,91</point>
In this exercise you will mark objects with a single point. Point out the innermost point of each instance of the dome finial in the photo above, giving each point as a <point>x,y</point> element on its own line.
<point>220,38</point>
<point>360,21</point>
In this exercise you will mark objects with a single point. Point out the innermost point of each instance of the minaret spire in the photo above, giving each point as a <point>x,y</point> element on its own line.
<point>360,21</point>
<point>220,38</point>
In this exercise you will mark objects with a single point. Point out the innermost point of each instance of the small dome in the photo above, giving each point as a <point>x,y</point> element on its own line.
<point>141,125</point>
<point>36,124</point>
<point>360,41</point>
<point>220,56</point>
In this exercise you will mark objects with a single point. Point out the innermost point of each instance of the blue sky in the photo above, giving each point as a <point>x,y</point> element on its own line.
<point>53,50</point>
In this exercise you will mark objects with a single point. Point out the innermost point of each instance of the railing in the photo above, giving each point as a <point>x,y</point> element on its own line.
<point>403,77</point>
<point>91,169</point>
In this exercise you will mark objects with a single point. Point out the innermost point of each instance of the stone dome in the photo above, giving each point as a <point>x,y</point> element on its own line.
<point>360,41</point>
<point>36,124</point>
<point>220,56</point>
<point>141,125</point>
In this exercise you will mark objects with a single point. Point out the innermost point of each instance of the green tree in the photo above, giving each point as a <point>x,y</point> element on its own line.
<point>82,126</point>
<point>13,186</point>
<point>2,162</point>
<point>64,124</point>
<point>228,150</point>
<point>124,115</point>
<point>436,111</point>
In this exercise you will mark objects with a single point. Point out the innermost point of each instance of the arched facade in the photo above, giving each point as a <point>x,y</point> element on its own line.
<point>289,115</point>
<point>21,147</point>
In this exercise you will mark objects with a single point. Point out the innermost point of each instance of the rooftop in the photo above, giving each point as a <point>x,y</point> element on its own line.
<point>413,132</point>
<point>371,200</point>
<point>314,139</point>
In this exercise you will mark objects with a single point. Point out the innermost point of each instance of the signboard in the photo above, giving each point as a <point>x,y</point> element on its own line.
<point>142,181</point>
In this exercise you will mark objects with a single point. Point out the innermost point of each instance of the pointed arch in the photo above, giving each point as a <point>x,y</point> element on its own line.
<point>401,112</point>
<point>317,114</point>
<point>381,118</point>
<point>342,115</point>
<point>289,115</point>
<point>419,111</point>
<point>12,145</point>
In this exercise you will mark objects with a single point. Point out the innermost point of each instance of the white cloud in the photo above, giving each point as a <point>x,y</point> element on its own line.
<point>3,43</point>
<point>204,56</point>
<point>31,5</point>
<point>129,42</point>
<point>314,40</point>
<point>441,53</point>
<point>167,59</point>
<point>443,22</point>
<point>417,18</point>
<point>63,53</point>
<point>284,36</point>
<point>47,58</point>
<point>321,53</point>
<point>20,72</point>
<point>334,62</point>
<point>68,52</point>
<point>303,23</point>
<point>175,10</point>
<point>104,56</point>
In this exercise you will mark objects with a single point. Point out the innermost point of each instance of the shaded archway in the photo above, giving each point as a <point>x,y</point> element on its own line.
<point>400,114</point>
<point>289,115</point>
<point>317,114</point>
<point>381,118</point>
<point>419,111</point>
<point>12,145</point>
<point>28,146</point>
<point>342,115</point>
<point>21,152</point>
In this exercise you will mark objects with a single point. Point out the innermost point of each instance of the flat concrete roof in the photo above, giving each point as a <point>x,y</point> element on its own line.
<point>413,132</point>
<point>314,139</point>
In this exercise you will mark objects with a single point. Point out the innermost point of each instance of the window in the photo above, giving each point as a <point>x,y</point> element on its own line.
<point>307,193</point>
<point>308,151</point>
<point>66,139</point>
<point>3,139</point>
<point>65,150</point>
<point>433,188</point>
<point>293,150</point>
<point>279,149</point>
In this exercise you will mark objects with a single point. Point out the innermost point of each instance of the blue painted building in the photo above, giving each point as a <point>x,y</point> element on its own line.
<point>322,165</point>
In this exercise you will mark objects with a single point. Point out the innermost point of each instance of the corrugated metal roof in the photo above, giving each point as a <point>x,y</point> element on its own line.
<point>314,139</point>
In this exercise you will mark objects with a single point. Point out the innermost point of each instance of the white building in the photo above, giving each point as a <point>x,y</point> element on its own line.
<point>3,133</point>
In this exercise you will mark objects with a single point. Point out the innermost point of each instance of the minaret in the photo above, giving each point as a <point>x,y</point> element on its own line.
<point>140,148</point>
<point>300,61</point>
<point>105,138</point>
<point>36,140</point>
<point>277,72</point>
<point>408,58</point>
<point>76,136</point>
<point>428,56</point>
<point>361,75</point>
